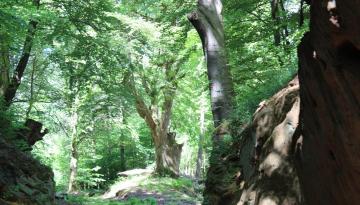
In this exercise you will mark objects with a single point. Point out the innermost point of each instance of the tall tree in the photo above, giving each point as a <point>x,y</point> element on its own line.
<point>157,116</point>
<point>208,22</point>
<point>200,157</point>
<point>9,85</point>
<point>281,31</point>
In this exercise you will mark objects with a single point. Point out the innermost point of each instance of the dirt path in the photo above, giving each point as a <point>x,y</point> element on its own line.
<point>169,198</point>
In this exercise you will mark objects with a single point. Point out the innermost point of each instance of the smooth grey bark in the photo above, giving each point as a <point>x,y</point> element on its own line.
<point>207,20</point>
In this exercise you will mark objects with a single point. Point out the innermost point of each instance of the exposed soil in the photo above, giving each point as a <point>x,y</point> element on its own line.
<point>161,198</point>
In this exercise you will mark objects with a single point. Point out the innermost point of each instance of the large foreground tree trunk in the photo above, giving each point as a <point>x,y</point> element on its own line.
<point>328,160</point>
<point>207,20</point>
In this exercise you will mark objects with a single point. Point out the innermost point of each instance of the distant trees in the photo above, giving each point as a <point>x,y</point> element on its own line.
<point>87,67</point>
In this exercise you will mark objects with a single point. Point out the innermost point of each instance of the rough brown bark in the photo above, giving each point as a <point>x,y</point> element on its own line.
<point>258,167</point>
<point>168,154</point>
<point>328,160</point>
<point>167,150</point>
<point>207,20</point>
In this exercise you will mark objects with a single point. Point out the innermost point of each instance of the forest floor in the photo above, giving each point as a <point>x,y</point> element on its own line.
<point>144,189</point>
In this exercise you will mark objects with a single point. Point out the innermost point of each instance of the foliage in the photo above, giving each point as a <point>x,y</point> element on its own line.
<point>7,128</point>
<point>83,200</point>
<point>85,52</point>
<point>260,67</point>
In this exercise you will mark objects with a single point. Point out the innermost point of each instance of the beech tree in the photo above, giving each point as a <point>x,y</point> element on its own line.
<point>208,22</point>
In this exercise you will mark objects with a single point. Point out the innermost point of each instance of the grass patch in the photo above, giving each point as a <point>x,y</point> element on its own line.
<point>145,189</point>
<point>84,200</point>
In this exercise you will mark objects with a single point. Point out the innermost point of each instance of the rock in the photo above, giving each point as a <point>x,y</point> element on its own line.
<point>61,195</point>
<point>259,168</point>
<point>135,172</point>
<point>328,160</point>
<point>32,132</point>
<point>24,180</point>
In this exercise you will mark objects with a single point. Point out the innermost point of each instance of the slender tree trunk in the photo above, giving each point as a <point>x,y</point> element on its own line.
<point>4,65</point>
<point>281,29</point>
<point>275,17</point>
<point>31,100</point>
<point>200,158</point>
<point>74,156</point>
<point>122,145</point>
<point>73,168</point>
<point>207,20</point>
<point>122,158</point>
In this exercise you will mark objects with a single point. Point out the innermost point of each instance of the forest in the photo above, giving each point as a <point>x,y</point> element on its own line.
<point>179,102</point>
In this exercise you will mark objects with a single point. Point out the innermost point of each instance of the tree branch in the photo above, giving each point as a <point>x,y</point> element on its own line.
<point>24,59</point>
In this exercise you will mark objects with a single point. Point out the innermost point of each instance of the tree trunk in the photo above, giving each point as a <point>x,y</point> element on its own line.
<point>168,155</point>
<point>31,100</point>
<point>122,143</point>
<point>275,17</point>
<point>207,20</point>
<point>328,160</point>
<point>73,168</point>
<point>4,65</point>
<point>122,158</point>
<point>167,151</point>
<point>200,157</point>
<point>24,59</point>
<point>74,156</point>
